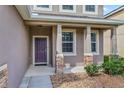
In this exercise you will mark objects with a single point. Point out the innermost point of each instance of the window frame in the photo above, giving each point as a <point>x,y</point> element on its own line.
<point>97,42</point>
<point>74,43</point>
<point>42,9</point>
<point>90,12</point>
<point>68,11</point>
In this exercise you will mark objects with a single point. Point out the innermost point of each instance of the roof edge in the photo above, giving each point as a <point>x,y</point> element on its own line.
<point>114,11</point>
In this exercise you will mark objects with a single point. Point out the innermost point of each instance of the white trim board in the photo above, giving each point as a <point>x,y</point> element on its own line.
<point>33,52</point>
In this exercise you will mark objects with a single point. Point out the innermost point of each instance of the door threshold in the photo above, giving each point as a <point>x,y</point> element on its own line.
<point>40,65</point>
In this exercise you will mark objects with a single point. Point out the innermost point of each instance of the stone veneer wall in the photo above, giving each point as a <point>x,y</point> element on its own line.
<point>59,64</point>
<point>88,59</point>
<point>3,76</point>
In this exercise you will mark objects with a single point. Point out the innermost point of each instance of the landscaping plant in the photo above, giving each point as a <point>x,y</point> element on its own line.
<point>92,69</point>
<point>113,67</point>
<point>110,67</point>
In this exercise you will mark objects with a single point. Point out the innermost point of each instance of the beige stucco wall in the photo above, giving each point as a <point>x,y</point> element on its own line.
<point>120,36</point>
<point>13,44</point>
<point>72,60</point>
<point>79,11</point>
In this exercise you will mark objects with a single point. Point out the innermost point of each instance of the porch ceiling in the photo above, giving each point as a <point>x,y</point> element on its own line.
<point>65,24</point>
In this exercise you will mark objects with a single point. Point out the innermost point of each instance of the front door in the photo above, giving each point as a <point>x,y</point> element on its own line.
<point>41,50</point>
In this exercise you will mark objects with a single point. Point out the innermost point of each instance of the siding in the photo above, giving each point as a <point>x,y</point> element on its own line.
<point>79,11</point>
<point>13,44</point>
<point>120,35</point>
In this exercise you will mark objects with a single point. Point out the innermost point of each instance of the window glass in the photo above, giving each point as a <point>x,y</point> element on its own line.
<point>67,41</point>
<point>43,6</point>
<point>90,8</point>
<point>93,42</point>
<point>67,7</point>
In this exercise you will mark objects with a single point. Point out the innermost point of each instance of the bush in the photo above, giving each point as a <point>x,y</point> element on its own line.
<point>111,68</point>
<point>106,58</point>
<point>92,69</point>
<point>121,68</point>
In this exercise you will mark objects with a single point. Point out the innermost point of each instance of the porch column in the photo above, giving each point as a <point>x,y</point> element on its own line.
<point>114,51</point>
<point>88,57</point>
<point>59,39</point>
<point>59,56</point>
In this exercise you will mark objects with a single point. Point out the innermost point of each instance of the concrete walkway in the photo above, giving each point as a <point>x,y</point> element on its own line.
<point>36,82</point>
<point>39,76</point>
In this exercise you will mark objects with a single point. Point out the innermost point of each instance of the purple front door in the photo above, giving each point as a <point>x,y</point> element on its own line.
<point>40,50</point>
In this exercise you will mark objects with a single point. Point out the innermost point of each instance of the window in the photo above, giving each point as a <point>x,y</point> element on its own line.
<point>90,9</point>
<point>68,42</point>
<point>67,8</point>
<point>93,42</point>
<point>42,7</point>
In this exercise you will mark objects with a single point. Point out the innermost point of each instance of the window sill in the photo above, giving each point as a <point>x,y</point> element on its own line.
<point>94,13</point>
<point>68,11</point>
<point>95,53</point>
<point>69,54</point>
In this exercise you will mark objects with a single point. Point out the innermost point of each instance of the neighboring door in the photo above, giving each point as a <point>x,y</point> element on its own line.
<point>40,50</point>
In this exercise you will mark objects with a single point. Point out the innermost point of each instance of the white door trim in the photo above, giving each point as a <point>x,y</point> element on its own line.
<point>33,52</point>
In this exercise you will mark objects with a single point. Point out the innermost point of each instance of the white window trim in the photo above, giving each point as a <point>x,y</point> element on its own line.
<point>68,11</point>
<point>97,43</point>
<point>42,9</point>
<point>74,42</point>
<point>86,12</point>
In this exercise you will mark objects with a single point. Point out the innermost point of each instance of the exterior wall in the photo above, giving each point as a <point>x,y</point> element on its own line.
<point>120,36</point>
<point>13,44</point>
<point>79,11</point>
<point>72,60</point>
<point>41,31</point>
<point>99,58</point>
<point>78,59</point>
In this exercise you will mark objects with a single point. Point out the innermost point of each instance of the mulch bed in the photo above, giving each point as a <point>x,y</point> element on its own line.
<point>82,80</point>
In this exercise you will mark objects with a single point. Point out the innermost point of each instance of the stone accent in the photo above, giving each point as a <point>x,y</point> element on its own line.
<point>88,59</point>
<point>3,76</point>
<point>59,64</point>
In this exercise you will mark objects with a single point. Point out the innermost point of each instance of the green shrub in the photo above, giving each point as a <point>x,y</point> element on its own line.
<point>106,58</point>
<point>110,67</point>
<point>121,67</point>
<point>92,69</point>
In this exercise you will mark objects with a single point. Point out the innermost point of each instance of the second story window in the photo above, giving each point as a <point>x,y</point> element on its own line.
<point>90,9</point>
<point>68,8</point>
<point>42,7</point>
